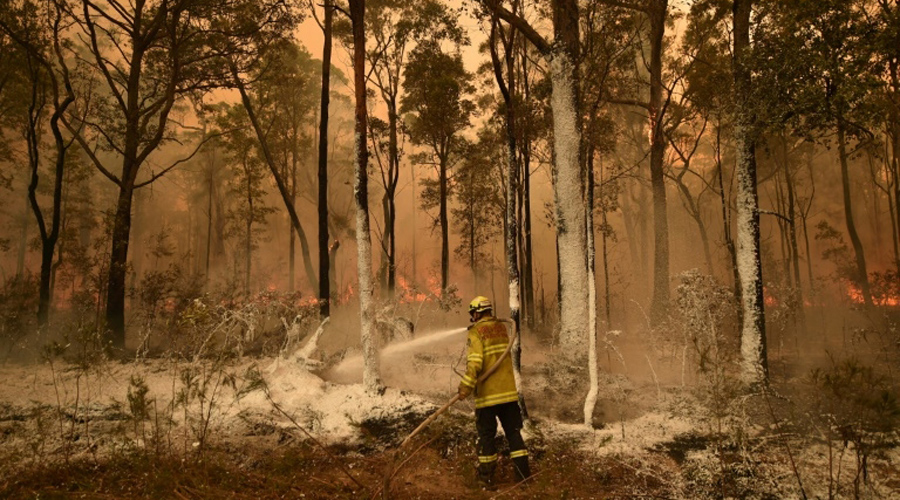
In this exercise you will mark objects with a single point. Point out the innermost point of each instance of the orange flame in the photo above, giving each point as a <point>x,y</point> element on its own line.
<point>854,293</point>
<point>347,294</point>
<point>408,293</point>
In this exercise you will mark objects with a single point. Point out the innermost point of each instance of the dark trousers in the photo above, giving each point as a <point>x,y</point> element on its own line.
<point>486,424</point>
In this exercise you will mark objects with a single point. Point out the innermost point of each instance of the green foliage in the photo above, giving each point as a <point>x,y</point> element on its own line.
<point>857,400</point>
<point>437,85</point>
<point>479,183</point>
<point>816,59</point>
<point>139,404</point>
<point>202,385</point>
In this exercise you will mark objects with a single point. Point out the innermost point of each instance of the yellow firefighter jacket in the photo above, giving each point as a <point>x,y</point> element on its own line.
<point>486,343</point>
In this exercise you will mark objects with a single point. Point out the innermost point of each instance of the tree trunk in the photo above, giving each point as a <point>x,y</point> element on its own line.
<point>795,253</point>
<point>657,10</point>
<point>527,248</point>
<point>219,225</point>
<point>781,208</point>
<point>693,209</point>
<point>890,162</point>
<point>567,173</point>
<point>590,401</point>
<point>444,223</point>
<point>391,194</point>
<point>512,221</point>
<point>568,181</point>
<point>209,223</point>
<point>50,238</point>
<point>473,264</point>
<point>894,200</point>
<point>371,377</point>
<point>23,241</point>
<point>324,265</point>
<point>291,247</point>
<point>804,214</point>
<point>33,142</point>
<point>754,365</point>
<point>895,164</point>
<point>862,275</point>
<point>332,274</point>
<point>606,291</point>
<point>118,265</point>
<point>413,274</point>
<point>445,227</point>
<point>248,241</point>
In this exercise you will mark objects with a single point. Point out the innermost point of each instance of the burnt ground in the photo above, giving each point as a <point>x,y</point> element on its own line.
<point>279,465</point>
<point>825,430</point>
<point>257,458</point>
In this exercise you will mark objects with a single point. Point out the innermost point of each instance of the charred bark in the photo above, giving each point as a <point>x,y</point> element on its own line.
<point>322,174</point>
<point>862,276</point>
<point>656,11</point>
<point>512,190</point>
<point>445,224</point>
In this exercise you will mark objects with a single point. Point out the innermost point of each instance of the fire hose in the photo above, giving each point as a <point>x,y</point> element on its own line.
<point>391,470</point>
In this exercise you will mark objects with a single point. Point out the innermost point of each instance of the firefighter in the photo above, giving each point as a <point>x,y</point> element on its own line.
<point>496,397</point>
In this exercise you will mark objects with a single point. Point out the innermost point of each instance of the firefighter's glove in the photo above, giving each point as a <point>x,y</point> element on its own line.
<point>464,391</point>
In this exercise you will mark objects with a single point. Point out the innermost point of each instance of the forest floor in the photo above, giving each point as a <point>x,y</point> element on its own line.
<point>270,427</point>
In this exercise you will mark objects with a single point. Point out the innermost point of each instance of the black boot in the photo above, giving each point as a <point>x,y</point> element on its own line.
<point>520,464</point>
<point>486,474</point>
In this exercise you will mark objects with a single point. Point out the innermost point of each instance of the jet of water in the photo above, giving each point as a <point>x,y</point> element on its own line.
<point>354,363</point>
<point>413,344</point>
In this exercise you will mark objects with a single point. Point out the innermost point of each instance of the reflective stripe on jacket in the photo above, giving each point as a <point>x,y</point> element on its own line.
<point>487,340</point>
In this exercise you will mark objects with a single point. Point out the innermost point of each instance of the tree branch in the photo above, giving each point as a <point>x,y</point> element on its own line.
<point>196,150</point>
<point>630,102</point>
<point>626,5</point>
<point>776,214</point>
<point>520,24</point>
<point>87,149</point>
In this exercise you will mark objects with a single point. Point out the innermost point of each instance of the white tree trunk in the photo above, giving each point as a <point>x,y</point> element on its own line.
<point>371,378</point>
<point>753,365</point>
<point>568,186</point>
<point>590,401</point>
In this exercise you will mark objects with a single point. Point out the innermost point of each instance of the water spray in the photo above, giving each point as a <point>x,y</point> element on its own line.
<point>422,341</point>
<point>354,362</point>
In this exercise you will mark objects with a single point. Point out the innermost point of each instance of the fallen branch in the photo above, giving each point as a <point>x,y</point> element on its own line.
<point>265,389</point>
<point>326,483</point>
